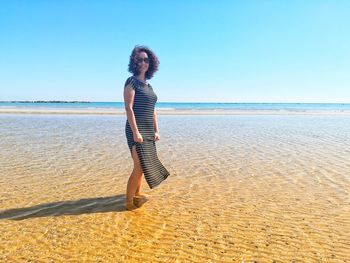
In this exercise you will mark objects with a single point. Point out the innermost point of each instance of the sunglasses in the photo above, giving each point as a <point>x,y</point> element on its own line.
<point>139,60</point>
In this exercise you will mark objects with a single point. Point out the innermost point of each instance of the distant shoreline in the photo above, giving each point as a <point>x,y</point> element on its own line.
<point>160,111</point>
<point>173,108</point>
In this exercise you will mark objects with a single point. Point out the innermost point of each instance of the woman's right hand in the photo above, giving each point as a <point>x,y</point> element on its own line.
<point>138,137</point>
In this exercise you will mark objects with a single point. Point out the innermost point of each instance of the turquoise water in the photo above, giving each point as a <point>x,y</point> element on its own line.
<point>185,105</point>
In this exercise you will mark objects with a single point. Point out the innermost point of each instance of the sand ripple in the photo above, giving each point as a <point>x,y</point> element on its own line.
<point>242,189</point>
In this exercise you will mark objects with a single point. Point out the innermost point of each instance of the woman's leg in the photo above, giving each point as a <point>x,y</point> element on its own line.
<point>139,185</point>
<point>139,193</point>
<point>134,178</point>
<point>139,181</point>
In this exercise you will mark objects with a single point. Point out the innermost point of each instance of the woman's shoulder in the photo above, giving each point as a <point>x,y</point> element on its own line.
<point>130,81</point>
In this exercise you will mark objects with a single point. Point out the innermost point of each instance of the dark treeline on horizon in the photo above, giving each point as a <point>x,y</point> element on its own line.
<point>46,101</point>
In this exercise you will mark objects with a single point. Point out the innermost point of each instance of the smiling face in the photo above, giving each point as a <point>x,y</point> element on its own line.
<point>142,61</point>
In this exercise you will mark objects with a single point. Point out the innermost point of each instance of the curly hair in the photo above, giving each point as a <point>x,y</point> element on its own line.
<point>153,61</point>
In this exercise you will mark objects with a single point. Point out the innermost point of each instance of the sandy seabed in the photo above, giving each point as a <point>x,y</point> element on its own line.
<point>243,188</point>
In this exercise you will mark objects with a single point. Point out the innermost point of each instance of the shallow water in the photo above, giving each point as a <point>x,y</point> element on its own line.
<point>242,188</point>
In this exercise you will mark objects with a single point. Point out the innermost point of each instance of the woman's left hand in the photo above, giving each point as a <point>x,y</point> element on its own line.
<point>156,136</point>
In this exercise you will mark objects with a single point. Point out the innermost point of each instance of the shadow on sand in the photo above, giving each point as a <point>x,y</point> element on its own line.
<point>77,207</point>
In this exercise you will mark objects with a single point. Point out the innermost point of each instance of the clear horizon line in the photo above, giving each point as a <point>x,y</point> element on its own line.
<point>223,102</point>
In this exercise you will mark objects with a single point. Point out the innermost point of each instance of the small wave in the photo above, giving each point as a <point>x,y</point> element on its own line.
<point>167,109</point>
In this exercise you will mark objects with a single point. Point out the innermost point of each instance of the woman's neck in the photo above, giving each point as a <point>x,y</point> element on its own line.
<point>141,77</point>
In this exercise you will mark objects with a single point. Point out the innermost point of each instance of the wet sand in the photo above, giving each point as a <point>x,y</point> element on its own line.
<point>243,188</point>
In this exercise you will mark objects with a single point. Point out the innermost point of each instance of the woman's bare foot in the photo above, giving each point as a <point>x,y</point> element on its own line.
<point>140,200</point>
<point>130,206</point>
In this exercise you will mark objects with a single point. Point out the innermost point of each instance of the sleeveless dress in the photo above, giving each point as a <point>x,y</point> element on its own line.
<point>143,107</point>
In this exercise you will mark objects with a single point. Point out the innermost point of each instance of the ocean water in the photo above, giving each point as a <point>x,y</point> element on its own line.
<point>185,106</point>
<point>243,188</point>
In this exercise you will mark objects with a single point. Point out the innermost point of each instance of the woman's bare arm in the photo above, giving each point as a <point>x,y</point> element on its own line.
<point>155,121</point>
<point>129,95</point>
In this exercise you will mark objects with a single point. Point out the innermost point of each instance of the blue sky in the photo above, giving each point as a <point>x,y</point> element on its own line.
<point>210,51</point>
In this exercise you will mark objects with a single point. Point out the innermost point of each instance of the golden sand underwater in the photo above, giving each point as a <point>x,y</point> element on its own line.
<point>243,188</point>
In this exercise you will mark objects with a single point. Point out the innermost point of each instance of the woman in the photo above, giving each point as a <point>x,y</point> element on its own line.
<point>141,127</point>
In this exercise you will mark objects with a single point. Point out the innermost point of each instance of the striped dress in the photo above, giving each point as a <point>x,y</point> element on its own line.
<point>143,107</point>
